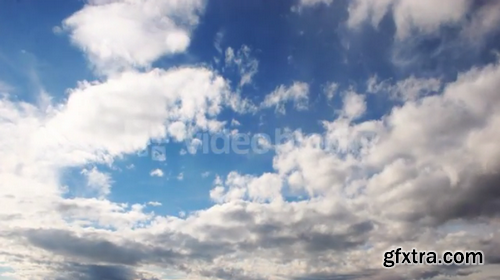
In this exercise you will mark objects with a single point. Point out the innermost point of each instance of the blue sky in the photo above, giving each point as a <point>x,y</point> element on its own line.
<point>390,109</point>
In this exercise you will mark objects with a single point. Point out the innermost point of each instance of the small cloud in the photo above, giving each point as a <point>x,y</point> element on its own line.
<point>154,203</point>
<point>246,64</point>
<point>263,142</point>
<point>218,180</point>
<point>229,55</point>
<point>182,214</point>
<point>98,181</point>
<point>309,3</point>
<point>235,122</point>
<point>130,166</point>
<point>218,41</point>
<point>205,174</point>
<point>57,30</point>
<point>156,173</point>
<point>298,93</point>
<point>158,153</point>
<point>180,177</point>
<point>193,145</point>
<point>354,105</point>
<point>330,90</point>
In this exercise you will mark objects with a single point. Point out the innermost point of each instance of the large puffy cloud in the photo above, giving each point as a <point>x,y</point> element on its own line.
<point>132,33</point>
<point>428,16</point>
<point>123,113</point>
<point>102,120</point>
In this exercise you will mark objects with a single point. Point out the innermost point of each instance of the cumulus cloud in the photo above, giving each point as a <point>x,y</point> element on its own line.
<point>157,173</point>
<point>121,34</point>
<point>354,105</point>
<point>237,187</point>
<point>98,181</point>
<point>104,119</point>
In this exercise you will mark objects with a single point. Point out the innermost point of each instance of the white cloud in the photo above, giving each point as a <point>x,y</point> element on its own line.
<point>426,16</point>
<point>218,41</point>
<point>229,56</point>
<point>261,189</point>
<point>154,203</point>
<point>354,105</point>
<point>121,114</point>
<point>235,122</point>
<point>243,60</point>
<point>156,173</point>
<point>217,193</point>
<point>128,33</point>
<point>57,30</point>
<point>99,182</point>
<point>330,90</point>
<point>180,177</point>
<point>309,3</point>
<point>314,2</point>
<point>298,93</point>
<point>409,89</point>
<point>265,188</point>
<point>483,23</point>
<point>205,174</point>
<point>177,130</point>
